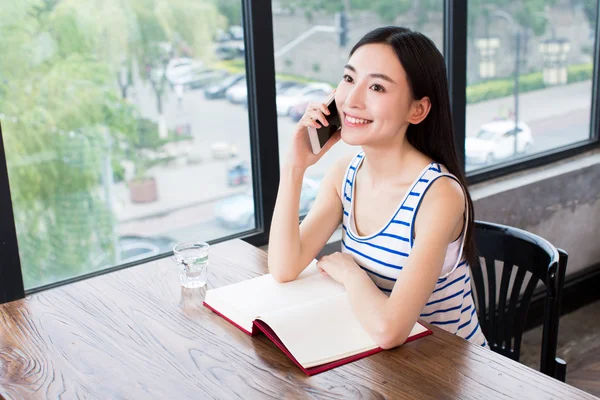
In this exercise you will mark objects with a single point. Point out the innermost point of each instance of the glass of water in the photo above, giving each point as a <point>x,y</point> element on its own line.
<point>192,259</point>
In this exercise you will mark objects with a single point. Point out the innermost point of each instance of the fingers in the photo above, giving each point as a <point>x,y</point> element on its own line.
<point>319,106</point>
<point>315,114</point>
<point>321,270</point>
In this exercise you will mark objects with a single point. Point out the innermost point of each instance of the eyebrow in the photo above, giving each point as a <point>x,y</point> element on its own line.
<point>374,75</point>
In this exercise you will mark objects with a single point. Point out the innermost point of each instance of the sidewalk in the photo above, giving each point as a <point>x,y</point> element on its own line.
<point>179,187</point>
<point>533,106</point>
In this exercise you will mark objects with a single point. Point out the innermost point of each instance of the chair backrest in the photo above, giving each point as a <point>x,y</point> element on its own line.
<point>520,259</point>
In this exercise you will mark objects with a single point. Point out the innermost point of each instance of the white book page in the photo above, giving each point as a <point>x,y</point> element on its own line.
<point>322,331</point>
<point>244,301</point>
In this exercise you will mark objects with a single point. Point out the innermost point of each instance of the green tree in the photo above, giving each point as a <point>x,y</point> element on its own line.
<point>528,14</point>
<point>232,10</point>
<point>589,9</point>
<point>146,34</point>
<point>57,102</point>
<point>63,116</point>
<point>166,28</point>
<point>386,9</point>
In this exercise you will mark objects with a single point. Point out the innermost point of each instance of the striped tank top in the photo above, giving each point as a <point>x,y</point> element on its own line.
<point>382,255</point>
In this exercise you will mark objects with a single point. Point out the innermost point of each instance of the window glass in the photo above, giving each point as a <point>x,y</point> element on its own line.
<point>549,46</point>
<point>125,129</point>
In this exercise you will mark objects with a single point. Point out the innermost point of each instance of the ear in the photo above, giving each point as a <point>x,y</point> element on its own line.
<point>419,110</point>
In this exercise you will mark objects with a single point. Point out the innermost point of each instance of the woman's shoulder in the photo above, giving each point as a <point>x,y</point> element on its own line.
<point>340,165</point>
<point>337,171</point>
<point>446,193</point>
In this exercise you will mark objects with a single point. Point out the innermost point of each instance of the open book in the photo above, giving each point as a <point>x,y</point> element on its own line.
<point>310,319</point>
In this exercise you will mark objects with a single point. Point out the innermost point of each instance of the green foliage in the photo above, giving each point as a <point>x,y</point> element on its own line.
<point>231,66</point>
<point>581,72</point>
<point>57,103</point>
<point>232,10</point>
<point>528,14</point>
<point>389,10</point>
<point>386,9</point>
<point>145,148</point>
<point>589,9</point>
<point>493,89</point>
<point>64,119</point>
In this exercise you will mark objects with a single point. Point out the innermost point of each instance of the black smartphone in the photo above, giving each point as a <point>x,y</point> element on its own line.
<point>319,137</point>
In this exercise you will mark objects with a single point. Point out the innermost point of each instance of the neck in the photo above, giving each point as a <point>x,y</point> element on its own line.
<point>393,163</point>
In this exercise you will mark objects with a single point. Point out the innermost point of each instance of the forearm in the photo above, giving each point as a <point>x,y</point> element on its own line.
<point>370,306</point>
<point>284,238</point>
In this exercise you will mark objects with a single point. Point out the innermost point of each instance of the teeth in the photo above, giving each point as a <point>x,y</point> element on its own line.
<point>353,120</point>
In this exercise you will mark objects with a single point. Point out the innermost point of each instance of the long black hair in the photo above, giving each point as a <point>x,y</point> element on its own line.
<point>426,75</point>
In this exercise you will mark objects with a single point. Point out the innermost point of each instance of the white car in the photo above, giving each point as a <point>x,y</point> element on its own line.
<point>294,96</point>
<point>237,211</point>
<point>496,141</point>
<point>238,93</point>
<point>179,68</point>
<point>236,32</point>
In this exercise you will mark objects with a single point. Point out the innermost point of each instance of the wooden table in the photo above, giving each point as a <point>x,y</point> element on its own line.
<point>137,334</point>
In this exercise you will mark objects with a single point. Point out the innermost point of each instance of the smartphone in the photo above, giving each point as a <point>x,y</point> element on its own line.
<point>319,137</point>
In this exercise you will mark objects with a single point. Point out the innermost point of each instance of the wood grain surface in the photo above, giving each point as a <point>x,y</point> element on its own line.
<point>136,334</point>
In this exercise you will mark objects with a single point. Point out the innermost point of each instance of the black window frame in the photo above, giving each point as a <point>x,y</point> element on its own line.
<point>263,130</point>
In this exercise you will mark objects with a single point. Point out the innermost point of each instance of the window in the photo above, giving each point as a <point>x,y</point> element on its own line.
<point>550,47</point>
<point>312,42</point>
<point>127,128</point>
<point>124,129</point>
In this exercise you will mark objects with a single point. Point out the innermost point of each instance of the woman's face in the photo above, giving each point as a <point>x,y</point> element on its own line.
<point>373,97</point>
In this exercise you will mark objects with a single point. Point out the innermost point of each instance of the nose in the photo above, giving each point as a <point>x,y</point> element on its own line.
<point>356,97</point>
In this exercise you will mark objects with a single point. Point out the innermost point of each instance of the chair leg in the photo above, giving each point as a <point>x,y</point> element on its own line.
<point>560,369</point>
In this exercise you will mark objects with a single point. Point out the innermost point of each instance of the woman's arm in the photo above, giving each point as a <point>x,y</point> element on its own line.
<point>293,247</point>
<point>390,320</point>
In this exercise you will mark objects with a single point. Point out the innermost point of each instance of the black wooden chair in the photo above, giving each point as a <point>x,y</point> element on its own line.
<point>506,250</point>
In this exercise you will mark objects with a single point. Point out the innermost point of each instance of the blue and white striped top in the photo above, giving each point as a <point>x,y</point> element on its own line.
<point>383,254</point>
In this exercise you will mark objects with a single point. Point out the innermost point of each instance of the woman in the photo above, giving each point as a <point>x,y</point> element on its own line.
<point>407,218</point>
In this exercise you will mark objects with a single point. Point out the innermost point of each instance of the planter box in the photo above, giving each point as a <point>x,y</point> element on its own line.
<point>143,190</point>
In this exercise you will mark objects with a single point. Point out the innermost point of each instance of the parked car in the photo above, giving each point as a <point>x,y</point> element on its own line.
<point>218,89</point>
<point>236,32</point>
<point>238,173</point>
<point>238,93</point>
<point>222,150</point>
<point>237,211</point>
<point>133,248</point>
<point>177,68</point>
<point>280,88</point>
<point>294,96</point>
<point>496,141</point>
<point>297,111</point>
<point>230,50</point>
<point>283,86</point>
<point>201,79</point>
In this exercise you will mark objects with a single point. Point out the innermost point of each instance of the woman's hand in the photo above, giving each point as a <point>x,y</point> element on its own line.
<point>339,266</point>
<point>300,154</point>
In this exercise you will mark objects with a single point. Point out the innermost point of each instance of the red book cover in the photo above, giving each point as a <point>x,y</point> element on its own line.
<point>260,326</point>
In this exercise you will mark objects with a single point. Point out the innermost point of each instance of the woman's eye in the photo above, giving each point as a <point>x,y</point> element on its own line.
<point>347,78</point>
<point>377,88</point>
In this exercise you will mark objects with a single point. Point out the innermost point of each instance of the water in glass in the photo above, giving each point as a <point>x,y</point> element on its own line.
<point>193,261</point>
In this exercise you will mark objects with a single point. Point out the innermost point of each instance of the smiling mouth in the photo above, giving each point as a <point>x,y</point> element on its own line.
<point>356,121</point>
